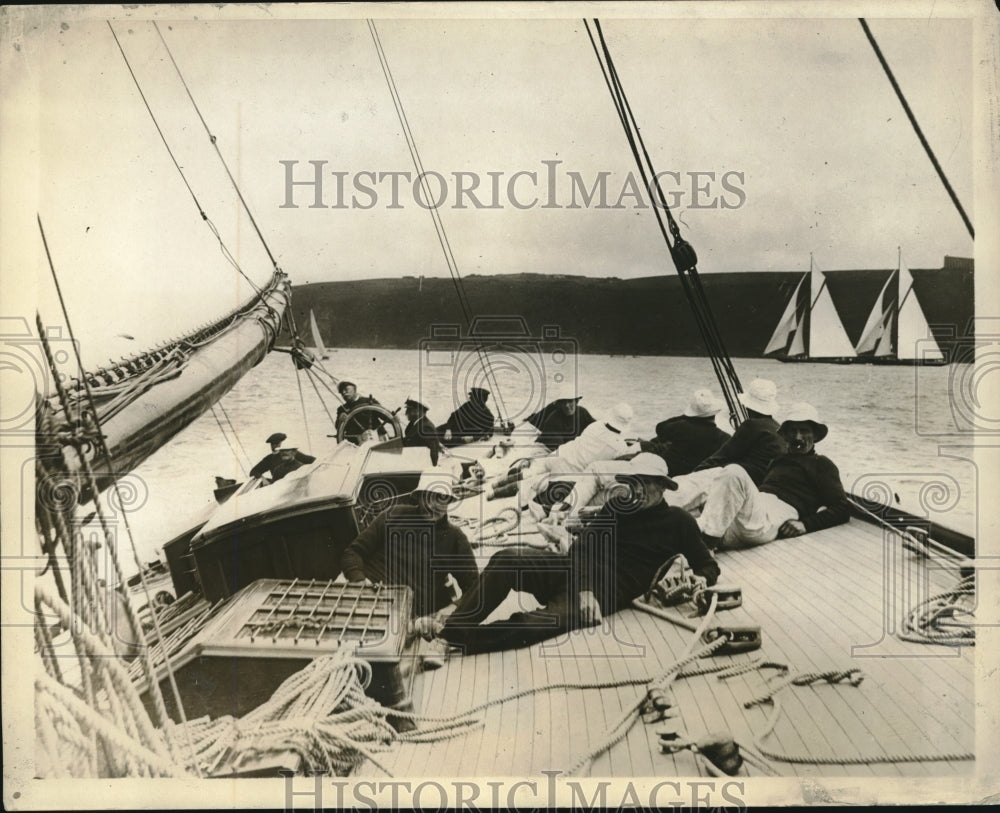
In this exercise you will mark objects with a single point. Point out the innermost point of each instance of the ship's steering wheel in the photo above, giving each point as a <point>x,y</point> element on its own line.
<point>369,422</point>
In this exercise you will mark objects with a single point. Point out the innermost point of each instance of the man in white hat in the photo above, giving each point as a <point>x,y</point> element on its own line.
<point>800,493</point>
<point>611,562</point>
<point>754,444</point>
<point>281,461</point>
<point>602,440</point>
<point>415,545</point>
<point>685,440</point>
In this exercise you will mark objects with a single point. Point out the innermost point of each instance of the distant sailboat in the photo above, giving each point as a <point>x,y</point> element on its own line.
<point>810,328</point>
<point>897,331</point>
<point>321,350</point>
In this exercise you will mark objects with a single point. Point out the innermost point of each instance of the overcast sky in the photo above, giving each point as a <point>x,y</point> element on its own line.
<point>801,145</point>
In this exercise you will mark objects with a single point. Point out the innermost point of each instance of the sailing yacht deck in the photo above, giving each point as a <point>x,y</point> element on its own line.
<point>828,600</point>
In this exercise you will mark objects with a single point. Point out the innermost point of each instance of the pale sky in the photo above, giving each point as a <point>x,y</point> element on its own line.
<point>796,115</point>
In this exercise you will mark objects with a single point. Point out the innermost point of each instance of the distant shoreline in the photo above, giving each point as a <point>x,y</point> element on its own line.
<point>611,316</point>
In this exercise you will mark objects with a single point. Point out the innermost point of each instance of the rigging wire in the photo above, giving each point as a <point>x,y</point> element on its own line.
<point>215,144</point>
<point>225,251</point>
<point>436,217</point>
<point>916,127</point>
<point>682,253</point>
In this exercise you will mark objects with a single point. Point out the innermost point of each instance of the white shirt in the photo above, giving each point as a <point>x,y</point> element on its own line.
<point>597,442</point>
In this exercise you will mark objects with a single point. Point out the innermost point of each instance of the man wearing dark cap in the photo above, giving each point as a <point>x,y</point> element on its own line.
<point>612,561</point>
<point>420,431</point>
<point>280,461</point>
<point>471,421</point>
<point>349,392</point>
<point>800,493</point>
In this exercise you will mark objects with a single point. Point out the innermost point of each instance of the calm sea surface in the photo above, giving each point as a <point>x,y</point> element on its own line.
<point>886,423</point>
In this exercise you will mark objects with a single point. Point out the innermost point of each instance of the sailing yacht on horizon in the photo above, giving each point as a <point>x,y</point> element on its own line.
<point>896,331</point>
<point>810,328</point>
<point>321,352</point>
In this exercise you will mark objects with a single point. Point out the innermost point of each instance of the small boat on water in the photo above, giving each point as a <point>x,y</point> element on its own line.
<point>317,337</point>
<point>839,653</point>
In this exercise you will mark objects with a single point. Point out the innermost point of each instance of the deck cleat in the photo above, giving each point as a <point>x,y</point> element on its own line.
<point>730,597</point>
<point>671,742</point>
<point>738,638</point>
<point>721,750</point>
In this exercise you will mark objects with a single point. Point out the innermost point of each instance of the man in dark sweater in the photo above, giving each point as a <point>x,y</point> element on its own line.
<point>416,546</point>
<point>420,431</point>
<point>472,420</point>
<point>560,421</point>
<point>801,491</point>
<point>611,562</point>
<point>686,440</point>
<point>754,444</point>
<point>280,461</point>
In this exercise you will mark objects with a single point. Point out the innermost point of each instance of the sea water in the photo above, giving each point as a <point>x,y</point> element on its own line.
<point>895,431</point>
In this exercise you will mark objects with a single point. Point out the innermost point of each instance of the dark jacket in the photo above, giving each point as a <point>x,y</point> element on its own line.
<point>281,463</point>
<point>403,547</point>
<point>556,427</point>
<point>472,418</point>
<point>754,444</point>
<point>620,566</point>
<point>422,432</point>
<point>810,483</point>
<point>684,442</point>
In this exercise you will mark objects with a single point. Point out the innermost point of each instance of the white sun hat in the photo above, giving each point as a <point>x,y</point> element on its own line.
<point>702,405</point>
<point>805,413</point>
<point>620,417</point>
<point>761,396</point>
<point>438,481</point>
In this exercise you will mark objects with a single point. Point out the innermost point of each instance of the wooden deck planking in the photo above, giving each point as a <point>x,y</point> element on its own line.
<point>876,667</point>
<point>801,636</point>
<point>913,704</point>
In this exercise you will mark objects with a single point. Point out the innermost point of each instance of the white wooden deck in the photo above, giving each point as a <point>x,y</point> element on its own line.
<point>829,600</point>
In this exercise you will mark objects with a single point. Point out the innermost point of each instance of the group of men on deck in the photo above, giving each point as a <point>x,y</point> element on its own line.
<point>678,497</point>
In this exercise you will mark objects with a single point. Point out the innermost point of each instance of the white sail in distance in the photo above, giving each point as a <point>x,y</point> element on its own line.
<point>827,337</point>
<point>317,339</point>
<point>788,323</point>
<point>914,334</point>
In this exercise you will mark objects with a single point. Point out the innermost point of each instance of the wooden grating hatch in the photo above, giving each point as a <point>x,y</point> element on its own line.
<point>272,628</point>
<point>275,616</point>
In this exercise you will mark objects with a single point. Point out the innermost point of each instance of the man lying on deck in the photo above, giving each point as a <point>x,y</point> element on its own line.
<point>416,546</point>
<point>611,562</point>
<point>753,446</point>
<point>602,440</point>
<point>801,491</point>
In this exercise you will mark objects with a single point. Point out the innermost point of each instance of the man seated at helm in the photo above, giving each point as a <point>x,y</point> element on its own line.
<point>560,421</point>
<point>349,392</point>
<point>686,440</point>
<point>280,461</point>
<point>801,491</point>
<point>610,562</point>
<point>602,440</point>
<point>417,546</point>
<point>754,444</point>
